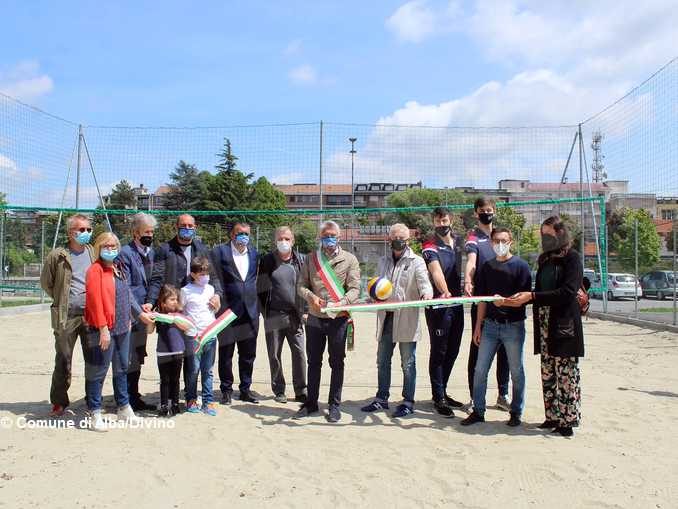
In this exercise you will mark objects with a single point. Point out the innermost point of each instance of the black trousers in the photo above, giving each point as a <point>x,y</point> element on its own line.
<point>445,328</point>
<point>246,338</point>
<point>169,367</point>
<point>502,361</point>
<point>319,332</point>
<point>137,354</point>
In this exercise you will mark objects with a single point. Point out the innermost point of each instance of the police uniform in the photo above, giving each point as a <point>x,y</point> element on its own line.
<point>445,325</point>
<point>478,242</point>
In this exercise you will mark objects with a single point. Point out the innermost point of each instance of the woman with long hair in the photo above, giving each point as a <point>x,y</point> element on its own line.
<point>558,333</point>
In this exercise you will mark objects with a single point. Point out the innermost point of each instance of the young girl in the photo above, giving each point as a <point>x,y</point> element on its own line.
<point>170,351</point>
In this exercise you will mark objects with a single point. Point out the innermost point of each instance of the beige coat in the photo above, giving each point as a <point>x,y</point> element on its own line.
<point>410,282</point>
<point>55,279</point>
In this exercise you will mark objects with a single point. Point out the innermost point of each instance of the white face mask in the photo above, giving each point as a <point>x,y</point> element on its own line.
<point>284,246</point>
<point>501,249</point>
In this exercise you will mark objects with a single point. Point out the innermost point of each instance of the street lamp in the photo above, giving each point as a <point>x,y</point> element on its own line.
<point>353,152</point>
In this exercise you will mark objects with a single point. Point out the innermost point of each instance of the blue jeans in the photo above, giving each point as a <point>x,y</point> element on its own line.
<point>202,364</point>
<point>512,336</point>
<point>407,362</point>
<point>96,367</point>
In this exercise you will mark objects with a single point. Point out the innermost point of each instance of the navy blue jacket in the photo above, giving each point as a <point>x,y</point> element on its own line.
<point>238,295</point>
<point>132,265</point>
<point>169,267</point>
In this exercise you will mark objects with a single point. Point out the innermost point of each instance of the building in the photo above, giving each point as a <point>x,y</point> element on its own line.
<point>667,208</point>
<point>370,195</point>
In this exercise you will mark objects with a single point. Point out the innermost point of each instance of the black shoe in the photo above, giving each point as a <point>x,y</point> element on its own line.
<point>443,408</point>
<point>280,398</point>
<point>472,419</point>
<point>514,420</point>
<point>139,405</point>
<point>453,402</point>
<point>333,414</point>
<point>548,424</point>
<point>248,398</point>
<point>565,431</point>
<point>225,398</point>
<point>300,398</point>
<point>164,411</point>
<point>305,410</point>
<point>175,409</point>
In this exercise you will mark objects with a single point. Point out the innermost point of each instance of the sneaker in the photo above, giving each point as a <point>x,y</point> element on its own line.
<point>565,431</point>
<point>98,423</point>
<point>374,406</point>
<point>453,402</point>
<point>280,398</point>
<point>210,409</point>
<point>503,403</point>
<point>548,424</point>
<point>126,413</point>
<point>192,407</point>
<point>468,407</point>
<point>139,405</point>
<point>225,398</point>
<point>305,411</point>
<point>57,411</point>
<point>443,408</point>
<point>514,420</point>
<point>472,419</point>
<point>333,414</point>
<point>175,409</point>
<point>402,411</point>
<point>163,411</point>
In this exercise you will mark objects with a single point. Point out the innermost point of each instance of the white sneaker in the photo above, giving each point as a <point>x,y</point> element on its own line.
<point>98,423</point>
<point>503,403</point>
<point>126,413</point>
<point>468,407</point>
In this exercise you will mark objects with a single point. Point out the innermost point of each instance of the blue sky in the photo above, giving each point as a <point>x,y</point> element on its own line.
<point>444,63</point>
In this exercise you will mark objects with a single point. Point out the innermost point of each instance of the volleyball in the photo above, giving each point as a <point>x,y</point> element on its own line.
<point>379,288</point>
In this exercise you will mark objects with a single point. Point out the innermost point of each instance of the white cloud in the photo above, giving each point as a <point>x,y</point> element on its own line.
<point>293,48</point>
<point>25,81</point>
<point>303,75</point>
<point>417,20</point>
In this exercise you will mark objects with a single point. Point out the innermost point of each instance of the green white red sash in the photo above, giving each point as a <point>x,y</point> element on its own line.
<point>407,304</point>
<point>203,337</point>
<point>334,288</point>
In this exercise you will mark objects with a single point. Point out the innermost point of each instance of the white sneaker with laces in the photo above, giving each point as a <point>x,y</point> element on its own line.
<point>503,403</point>
<point>126,413</point>
<point>98,423</point>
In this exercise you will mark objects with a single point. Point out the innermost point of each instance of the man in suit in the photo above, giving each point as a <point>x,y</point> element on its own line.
<point>172,265</point>
<point>137,265</point>
<point>236,265</point>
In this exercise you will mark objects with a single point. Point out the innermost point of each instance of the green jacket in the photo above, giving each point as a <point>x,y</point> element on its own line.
<point>55,279</point>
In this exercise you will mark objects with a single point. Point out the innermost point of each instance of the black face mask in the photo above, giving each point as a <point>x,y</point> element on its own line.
<point>549,242</point>
<point>146,240</point>
<point>398,245</point>
<point>442,230</point>
<point>486,217</point>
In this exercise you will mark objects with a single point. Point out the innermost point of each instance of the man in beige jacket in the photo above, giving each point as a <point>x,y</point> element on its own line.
<point>63,279</point>
<point>409,276</point>
<point>321,328</point>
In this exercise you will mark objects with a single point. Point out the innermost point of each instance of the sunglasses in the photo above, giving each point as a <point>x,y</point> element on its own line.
<point>83,230</point>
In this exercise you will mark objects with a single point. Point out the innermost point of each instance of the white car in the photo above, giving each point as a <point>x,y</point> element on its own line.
<point>620,285</point>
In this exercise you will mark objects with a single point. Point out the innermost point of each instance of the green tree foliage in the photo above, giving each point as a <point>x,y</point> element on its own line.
<point>188,187</point>
<point>649,241</point>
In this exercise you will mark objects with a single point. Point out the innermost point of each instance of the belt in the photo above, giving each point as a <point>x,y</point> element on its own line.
<point>504,321</point>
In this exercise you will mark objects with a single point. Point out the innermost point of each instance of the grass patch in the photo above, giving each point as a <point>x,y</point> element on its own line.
<point>656,310</point>
<point>22,302</point>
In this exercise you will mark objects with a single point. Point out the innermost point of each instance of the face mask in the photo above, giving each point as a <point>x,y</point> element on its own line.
<point>146,240</point>
<point>83,238</point>
<point>242,238</point>
<point>109,255</point>
<point>329,242</point>
<point>284,246</point>
<point>398,244</point>
<point>442,230</point>
<point>501,249</point>
<point>549,242</point>
<point>486,217</point>
<point>186,233</point>
<point>203,279</point>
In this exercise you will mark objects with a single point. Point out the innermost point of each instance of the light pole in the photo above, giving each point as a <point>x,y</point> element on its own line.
<point>353,152</point>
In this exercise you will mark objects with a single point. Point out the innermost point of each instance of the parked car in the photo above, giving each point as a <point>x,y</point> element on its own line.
<point>620,285</point>
<point>591,276</point>
<point>658,284</point>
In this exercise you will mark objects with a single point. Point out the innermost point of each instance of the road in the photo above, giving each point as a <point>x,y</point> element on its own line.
<point>627,307</point>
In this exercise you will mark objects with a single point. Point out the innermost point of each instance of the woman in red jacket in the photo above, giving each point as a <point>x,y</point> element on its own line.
<point>109,306</point>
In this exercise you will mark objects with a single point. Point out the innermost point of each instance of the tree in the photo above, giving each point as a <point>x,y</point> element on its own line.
<point>187,188</point>
<point>3,199</point>
<point>649,242</point>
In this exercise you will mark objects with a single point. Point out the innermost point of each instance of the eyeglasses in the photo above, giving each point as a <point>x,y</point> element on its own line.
<point>83,230</point>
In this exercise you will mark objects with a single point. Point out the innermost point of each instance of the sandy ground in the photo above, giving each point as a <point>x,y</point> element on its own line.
<point>624,455</point>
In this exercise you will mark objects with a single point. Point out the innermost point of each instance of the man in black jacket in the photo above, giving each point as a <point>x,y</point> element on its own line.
<point>172,265</point>
<point>283,311</point>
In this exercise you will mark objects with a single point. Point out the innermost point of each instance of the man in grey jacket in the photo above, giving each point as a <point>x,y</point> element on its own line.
<point>409,276</point>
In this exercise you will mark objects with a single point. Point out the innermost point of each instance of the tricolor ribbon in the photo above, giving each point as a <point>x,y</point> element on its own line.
<point>372,307</point>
